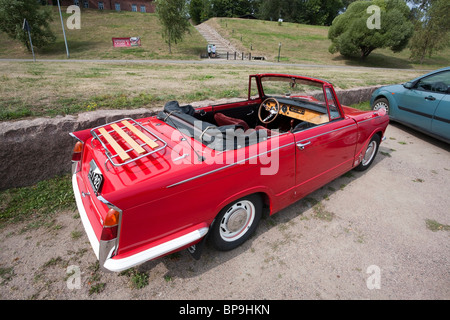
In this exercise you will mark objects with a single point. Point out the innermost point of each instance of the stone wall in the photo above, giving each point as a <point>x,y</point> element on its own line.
<point>38,149</point>
<point>355,95</point>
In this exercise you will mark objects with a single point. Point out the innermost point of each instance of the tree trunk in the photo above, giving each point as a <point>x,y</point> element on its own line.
<point>422,57</point>
<point>365,51</point>
<point>168,42</point>
<point>424,49</point>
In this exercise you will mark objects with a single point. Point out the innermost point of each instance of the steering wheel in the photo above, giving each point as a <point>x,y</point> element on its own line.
<point>273,110</point>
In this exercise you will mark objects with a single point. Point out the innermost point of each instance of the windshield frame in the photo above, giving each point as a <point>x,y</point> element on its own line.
<point>322,85</point>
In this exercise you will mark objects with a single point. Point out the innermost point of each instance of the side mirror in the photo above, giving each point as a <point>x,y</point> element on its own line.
<point>408,85</point>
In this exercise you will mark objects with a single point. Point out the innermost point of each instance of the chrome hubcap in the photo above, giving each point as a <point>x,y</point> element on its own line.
<point>381,105</point>
<point>370,152</point>
<point>237,220</point>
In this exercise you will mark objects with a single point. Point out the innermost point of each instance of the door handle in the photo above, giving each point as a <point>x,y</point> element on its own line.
<point>431,98</point>
<point>302,146</point>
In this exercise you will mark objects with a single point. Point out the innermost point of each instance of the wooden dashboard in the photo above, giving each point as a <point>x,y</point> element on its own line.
<point>299,113</point>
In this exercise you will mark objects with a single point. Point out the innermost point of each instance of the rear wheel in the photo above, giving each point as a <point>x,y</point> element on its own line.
<point>236,223</point>
<point>369,153</point>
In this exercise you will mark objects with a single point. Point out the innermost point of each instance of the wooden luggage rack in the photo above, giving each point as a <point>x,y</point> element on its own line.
<point>136,141</point>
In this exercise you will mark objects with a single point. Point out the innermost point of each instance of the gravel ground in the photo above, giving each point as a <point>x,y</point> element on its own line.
<point>362,236</point>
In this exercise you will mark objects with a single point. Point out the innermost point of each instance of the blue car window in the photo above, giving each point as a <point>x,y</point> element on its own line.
<point>439,83</point>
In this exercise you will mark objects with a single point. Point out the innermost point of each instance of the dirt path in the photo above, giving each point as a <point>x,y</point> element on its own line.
<point>362,236</point>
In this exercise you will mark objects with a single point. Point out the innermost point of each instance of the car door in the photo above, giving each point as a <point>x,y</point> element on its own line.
<point>417,105</point>
<point>440,124</point>
<point>324,152</point>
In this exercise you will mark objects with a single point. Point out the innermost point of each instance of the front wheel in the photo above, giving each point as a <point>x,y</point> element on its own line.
<point>381,103</point>
<point>369,153</point>
<point>236,223</point>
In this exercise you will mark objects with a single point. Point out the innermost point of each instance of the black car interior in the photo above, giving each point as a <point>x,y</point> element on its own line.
<point>242,121</point>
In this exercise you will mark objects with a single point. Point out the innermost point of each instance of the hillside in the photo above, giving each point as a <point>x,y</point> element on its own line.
<point>93,40</point>
<point>308,44</point>
<point>304,44</point>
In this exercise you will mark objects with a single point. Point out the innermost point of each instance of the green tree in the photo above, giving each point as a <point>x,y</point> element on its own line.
<point>195,11</point>
<point>222,8</point>
<point>231,8</point>
<point>322,12</point>
<point>352,34</point>
<point>206,10</point>
<point>431,28</point>
<point>174,20</point>
<point>12,14</point>
<point>318,12</point>
<point>200,10</point>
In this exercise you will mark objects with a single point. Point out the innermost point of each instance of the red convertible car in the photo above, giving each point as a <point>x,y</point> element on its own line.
<point>149,187</point>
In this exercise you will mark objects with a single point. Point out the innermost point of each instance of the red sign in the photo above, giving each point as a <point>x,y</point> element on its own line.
<point>121,42</point>
<point>126,42</point>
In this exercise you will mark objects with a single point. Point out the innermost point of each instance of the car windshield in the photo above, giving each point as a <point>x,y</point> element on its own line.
<point>294,88</point>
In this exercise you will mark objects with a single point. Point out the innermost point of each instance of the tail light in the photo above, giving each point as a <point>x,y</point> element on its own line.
<point>112,218</point>
<point>109,233</point>
<point>109,239</point>
<point>76,156</point>
<point>111,222</point>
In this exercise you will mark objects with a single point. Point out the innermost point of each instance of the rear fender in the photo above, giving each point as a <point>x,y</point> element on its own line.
<point>264,192</point>
<point>82,135</point>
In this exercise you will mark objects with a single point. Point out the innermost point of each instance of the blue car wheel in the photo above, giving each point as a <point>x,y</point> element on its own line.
<point>381,103</point>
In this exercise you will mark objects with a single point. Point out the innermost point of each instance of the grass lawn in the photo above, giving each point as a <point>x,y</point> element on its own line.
<point>29,89</point>
<point>94,39</point>
<point>36,204</point>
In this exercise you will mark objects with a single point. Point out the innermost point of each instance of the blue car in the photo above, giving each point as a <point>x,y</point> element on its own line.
<point>422,104</point>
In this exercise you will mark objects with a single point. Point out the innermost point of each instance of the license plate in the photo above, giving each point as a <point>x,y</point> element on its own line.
<point>95,177</point>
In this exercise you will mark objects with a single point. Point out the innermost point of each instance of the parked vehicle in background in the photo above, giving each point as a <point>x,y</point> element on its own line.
<point>422,103</point>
